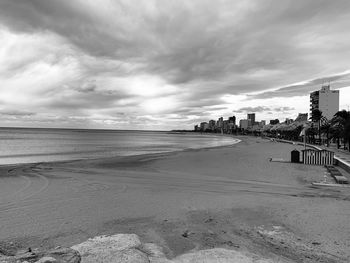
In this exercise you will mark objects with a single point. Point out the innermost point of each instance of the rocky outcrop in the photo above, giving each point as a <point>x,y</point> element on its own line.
<point>118,248</point>
<point>127,248</point>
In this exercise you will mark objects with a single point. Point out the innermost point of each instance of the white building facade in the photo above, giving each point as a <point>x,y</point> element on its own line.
<point>325,100</point>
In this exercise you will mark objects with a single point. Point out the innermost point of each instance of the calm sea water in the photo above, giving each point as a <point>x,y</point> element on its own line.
<point>19,145</point>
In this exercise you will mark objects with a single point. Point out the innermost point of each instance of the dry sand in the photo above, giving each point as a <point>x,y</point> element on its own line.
<point>231,197</point>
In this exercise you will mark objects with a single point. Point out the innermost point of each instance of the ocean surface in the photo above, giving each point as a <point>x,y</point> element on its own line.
<point>25,145</point>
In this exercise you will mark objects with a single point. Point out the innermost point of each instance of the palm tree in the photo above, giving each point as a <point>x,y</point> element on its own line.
<point>341,126</point>
<point>316,116</point>
<point>325,128</point>
<point>336,132</point>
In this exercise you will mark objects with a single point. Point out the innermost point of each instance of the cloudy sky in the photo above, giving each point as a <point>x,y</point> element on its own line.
<point>164,64</point>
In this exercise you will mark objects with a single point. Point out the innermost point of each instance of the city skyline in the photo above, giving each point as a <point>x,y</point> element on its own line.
<point>325,100</point>
<point>163,65</point>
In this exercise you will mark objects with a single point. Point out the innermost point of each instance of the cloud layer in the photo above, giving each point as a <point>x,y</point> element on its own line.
<point>166,64</point>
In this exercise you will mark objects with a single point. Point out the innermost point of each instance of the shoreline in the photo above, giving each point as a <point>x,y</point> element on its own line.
<point>225,197</point>
<point>124,156</point>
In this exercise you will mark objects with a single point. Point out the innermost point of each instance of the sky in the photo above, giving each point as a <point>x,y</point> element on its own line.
<point>167,64</point>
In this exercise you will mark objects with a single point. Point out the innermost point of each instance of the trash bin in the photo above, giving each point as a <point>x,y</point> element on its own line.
<point>295,156</point>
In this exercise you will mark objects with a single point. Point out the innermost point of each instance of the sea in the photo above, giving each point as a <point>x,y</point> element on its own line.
<point>28,145</point>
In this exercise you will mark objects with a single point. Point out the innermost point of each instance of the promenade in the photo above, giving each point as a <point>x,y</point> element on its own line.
<point>340,154</point>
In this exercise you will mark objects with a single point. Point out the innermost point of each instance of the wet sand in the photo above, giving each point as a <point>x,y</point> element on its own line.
<point>231,197</point>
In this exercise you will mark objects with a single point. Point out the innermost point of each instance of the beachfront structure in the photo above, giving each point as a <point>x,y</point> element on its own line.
<point>325,100</point>
<point>317,157</point>
<point>251,117</point>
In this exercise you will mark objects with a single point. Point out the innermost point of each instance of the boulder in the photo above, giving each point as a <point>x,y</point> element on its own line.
<point>101,243</point>
<point>120,248</point>
<point>116,256</point>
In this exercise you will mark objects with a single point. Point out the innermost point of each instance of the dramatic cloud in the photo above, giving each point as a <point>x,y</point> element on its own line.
<point>254,109</point>
<point>158,64</point>
<point>260,109</point>
<point>16,113</point>
<point>338,81</point>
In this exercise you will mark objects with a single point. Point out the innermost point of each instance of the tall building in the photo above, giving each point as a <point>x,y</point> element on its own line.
<point>232,120</point>
<point>225,126</point>
<point>219,123</point>
<point>251,117</point>
<point>244,124</point>
<point>325,100</point>
<point>204,126</point>
<point>212,125</point>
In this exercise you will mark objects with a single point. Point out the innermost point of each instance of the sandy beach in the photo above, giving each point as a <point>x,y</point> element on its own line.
<point>231,197</point>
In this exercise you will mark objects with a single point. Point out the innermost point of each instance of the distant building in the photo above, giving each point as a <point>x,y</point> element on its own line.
<point>232,120</point>
<point>225,126</point>
<point>275,121</point>
<point>262,123</point>
<point>212,125</point>
<point>325,100</point>
<point>288,121</point>
<point>251,117</point>
<point>231,127</point>
<point>219,123</point>
<point>196,128</point>
<point>204,126</point>
<point>244,124</point>
<point>302,117</point>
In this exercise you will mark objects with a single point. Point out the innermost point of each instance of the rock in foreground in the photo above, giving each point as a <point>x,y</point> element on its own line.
<point>118,248</point>
<point>127,248</point>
